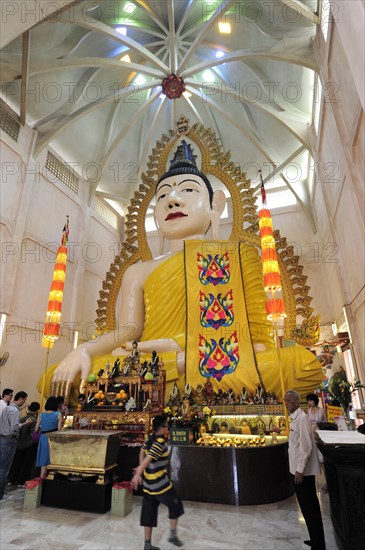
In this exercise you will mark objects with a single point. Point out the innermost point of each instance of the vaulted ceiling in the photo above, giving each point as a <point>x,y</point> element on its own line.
<point>69,79</point>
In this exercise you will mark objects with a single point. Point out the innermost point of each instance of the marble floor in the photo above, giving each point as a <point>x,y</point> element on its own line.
<point>278,526</point>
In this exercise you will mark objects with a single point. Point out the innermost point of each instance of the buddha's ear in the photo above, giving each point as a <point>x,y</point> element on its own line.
<point>161,238</point>
<point>218,205</point>
<point>161,241</point>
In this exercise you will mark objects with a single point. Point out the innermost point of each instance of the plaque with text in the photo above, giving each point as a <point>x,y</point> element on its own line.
<point>181,436</point>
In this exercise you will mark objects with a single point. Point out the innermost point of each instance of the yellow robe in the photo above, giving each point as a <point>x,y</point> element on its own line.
<point>165,317</point>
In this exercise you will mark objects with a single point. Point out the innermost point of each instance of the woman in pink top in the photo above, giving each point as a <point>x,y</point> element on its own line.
<point>315,414</point>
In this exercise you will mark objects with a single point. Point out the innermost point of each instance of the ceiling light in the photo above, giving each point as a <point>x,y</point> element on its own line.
<point>187,94</point>
<point>219,54</point>
<point>121,30</point>
<point>140,79</point>
<point>224,28</point>
<point>208,76</point>
<point>129,7</point>
<point>126,58</point>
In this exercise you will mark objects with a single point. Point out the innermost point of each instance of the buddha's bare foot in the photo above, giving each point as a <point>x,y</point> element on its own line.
<point>121,351</point>
<point>61,387</point>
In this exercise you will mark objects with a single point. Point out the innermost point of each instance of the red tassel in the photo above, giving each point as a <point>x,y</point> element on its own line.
<point>123,485</point>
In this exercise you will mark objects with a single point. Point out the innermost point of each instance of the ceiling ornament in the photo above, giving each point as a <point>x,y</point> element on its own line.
<point>173,86</point>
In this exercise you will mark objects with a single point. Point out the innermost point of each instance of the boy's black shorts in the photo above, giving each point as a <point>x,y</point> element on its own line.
<point>151,503</point>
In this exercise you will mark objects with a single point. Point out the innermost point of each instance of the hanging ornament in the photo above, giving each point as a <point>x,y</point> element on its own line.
<point>275,307</point>
<point>54,308</point>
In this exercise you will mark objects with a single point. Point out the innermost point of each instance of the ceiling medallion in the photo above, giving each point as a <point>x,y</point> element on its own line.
<point>173,86</point>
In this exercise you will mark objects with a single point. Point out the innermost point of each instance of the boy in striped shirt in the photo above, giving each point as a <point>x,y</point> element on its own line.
<point>157,487</point>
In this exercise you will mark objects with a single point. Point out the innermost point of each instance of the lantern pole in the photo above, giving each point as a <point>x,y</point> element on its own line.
<point>53,318</point>
<point>276,333</point>
<point>275,307</point>
<point>44,376</point>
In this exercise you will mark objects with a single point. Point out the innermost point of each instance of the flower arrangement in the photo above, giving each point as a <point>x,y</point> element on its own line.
<point>183,417</point>
<point>201,415</point>
<point>172,412</point>
<point>341,390</point>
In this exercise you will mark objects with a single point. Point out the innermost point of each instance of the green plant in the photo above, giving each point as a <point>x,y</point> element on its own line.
<point>342,391</point>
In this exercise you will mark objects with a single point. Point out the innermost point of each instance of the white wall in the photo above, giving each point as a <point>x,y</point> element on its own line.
<point>339,151</point>
<point>34,205</point>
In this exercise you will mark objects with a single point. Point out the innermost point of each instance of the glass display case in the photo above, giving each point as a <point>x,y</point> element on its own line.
<point>228,427</point>
<point>248,424</point>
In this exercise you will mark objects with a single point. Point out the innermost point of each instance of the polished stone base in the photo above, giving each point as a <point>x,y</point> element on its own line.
<point>278,526</point>
<point>257,475</point>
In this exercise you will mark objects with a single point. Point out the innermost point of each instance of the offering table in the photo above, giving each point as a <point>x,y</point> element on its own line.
<point>344,464</point>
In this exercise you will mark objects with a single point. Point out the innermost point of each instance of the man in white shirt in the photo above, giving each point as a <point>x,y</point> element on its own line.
<point>304,465</point>
<point>7,396</point>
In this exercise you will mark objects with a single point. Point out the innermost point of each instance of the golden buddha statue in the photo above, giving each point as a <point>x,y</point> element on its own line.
<point>200,306</point>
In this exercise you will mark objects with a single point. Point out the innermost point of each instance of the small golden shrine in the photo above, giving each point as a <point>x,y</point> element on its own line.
<point>124,397</point>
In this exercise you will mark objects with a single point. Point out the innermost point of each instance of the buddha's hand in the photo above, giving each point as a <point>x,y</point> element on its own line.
<point>78,361</point>
<point>160,346</point>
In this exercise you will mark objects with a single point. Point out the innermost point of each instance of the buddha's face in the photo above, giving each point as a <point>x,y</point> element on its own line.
<point>182,206</point>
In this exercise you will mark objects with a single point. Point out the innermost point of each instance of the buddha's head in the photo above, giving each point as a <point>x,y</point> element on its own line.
<point>185,203</point>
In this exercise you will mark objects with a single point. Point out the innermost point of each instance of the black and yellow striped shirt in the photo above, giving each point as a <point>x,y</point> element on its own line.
<point>155,478</point>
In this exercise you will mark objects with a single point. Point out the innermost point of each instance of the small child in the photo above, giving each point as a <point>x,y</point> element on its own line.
<point>157,487</point>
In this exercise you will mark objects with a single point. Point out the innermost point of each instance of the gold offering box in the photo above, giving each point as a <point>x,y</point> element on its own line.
<point>83,452</point>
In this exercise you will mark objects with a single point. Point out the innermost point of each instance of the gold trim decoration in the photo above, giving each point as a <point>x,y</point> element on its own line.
<point>245,227</point>
<point>308,332</point>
